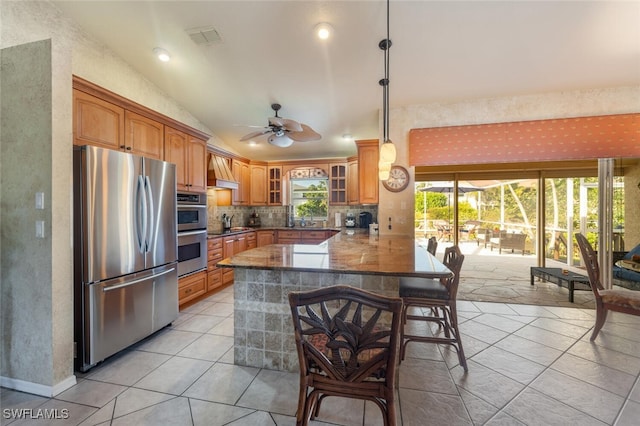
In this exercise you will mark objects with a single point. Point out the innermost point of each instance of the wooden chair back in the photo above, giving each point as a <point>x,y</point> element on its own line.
<point>590,258</point>
<point>453,259</point>
<point>432,245</point>
<point>347,341</point>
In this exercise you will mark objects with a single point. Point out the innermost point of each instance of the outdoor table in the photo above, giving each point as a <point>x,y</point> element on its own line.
<point>560,276</point>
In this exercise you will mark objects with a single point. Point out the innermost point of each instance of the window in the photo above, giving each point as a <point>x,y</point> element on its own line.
<point>309,198</point>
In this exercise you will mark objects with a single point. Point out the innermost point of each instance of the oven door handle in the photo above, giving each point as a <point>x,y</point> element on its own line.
<point>191,206</point>
<point>139,280</point>
<point>186,234</point>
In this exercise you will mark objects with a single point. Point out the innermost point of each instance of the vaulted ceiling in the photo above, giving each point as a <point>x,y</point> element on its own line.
<point>443,51</point>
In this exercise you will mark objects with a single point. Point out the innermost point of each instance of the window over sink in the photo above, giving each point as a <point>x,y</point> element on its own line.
<point>309,197</point>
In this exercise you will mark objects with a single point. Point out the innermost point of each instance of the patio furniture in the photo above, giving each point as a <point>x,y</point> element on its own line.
<point>347,341</point>
<point>561,276</point>
<point>468,230</point>
<point>618,300</point>
<point>443,228</point>
<point>508,241</point>
<point>625,276</point>
<point>483,235</point>
<point>440,297</point>
<point>432,245</point>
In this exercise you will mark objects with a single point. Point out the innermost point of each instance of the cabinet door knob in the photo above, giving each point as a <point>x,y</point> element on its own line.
<point>128,148</point>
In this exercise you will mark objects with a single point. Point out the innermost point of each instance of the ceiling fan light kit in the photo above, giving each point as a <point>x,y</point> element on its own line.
<point>282,141</point>
<point>283,132</point>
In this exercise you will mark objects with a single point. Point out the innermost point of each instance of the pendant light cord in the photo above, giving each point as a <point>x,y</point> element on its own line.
<point>385,45</point>
<point>386,66</point>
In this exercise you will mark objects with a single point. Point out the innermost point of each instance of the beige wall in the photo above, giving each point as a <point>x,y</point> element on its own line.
<point>36,334</point>
<point>400,206</point>
<point>30,281</point>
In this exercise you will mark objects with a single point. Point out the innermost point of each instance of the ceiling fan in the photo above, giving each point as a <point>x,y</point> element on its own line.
<point>283,131</point>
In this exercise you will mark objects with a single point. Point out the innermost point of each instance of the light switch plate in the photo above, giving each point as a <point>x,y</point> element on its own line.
<point>39,228</point>
<point>39,200</point>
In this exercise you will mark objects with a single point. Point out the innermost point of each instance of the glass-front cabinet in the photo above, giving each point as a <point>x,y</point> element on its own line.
<point>338,184</point>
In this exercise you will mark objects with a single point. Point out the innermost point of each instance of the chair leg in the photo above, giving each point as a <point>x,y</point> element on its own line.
<point>601,317</point>
<point>454,325</point>
<point>402,342</point>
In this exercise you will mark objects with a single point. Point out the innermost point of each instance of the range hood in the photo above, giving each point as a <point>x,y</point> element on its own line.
<point>219,174</point>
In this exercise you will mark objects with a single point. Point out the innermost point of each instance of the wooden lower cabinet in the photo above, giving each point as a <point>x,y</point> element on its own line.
<point>251,240</point>
<point>214,255</point>
<point>288,237</point>
<point>214,279</point>
<point>266,238</point>
<point>303,236</point>
<point>192,286</point>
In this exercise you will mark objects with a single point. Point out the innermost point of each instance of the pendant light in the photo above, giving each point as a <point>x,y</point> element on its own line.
<point>387,149</point>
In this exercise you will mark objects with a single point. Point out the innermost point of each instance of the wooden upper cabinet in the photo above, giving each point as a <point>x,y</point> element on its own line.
<point>338,184</point>
<point>97,122</point>
<point>258,185</point>
<point>197,159</point>
<point>274,186</point>
<point>190,157</point>
<point>143,136</point>
<point>352,181</point>
<point>175,151</point>
<point>242,174</point>
<point>368,155</point>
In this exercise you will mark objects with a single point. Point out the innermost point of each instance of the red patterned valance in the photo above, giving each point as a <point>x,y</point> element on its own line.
<point>609,136</point>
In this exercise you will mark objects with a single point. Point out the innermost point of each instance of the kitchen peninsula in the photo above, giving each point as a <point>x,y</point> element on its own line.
<point>264,277</point>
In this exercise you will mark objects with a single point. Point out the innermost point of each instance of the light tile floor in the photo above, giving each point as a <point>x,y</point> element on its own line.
<point>530,365</point>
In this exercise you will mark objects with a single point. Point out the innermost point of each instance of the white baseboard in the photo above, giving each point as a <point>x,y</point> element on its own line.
<point>36,388</point>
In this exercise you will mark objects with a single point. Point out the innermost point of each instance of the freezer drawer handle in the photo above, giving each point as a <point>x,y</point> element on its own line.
<point>127,284</point>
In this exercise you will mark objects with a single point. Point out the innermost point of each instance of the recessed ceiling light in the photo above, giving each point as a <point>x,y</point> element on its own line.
<point>347,136</point>
<point>253,143</point>
<point>162,54</point>
<point>323,30</point>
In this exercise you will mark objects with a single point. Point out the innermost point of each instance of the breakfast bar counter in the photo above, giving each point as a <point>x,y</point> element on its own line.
<point>264,276</point>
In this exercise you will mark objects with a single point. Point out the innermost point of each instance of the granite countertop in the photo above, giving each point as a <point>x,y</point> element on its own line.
<point>242,229</point>
<point>351,251</point>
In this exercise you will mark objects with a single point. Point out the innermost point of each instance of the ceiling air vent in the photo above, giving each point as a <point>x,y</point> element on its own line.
<point>204,35</point>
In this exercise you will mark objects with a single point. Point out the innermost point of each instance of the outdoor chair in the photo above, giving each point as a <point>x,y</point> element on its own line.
<point>439,297</point>
<point>618,300</point>
<point>468,230</point>
<point>443,229</point>
<point>432,245</point>
<point>347,341</point>
<point>509,241</point>
<point>483,235</point>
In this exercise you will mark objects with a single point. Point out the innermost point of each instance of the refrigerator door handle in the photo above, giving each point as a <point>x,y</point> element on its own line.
<point>139,280</point>
<point>151,213</point>
<point>141,214</point>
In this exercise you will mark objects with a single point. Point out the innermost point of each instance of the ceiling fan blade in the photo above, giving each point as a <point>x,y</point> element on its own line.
<point>287,124</point>
<point>306,135</point>
<point>255,134</point>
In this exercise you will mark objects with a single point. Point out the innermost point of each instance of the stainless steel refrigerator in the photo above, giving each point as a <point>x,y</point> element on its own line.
<point>125,251</point>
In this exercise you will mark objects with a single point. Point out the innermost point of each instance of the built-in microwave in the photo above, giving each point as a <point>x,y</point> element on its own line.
<point>192,211</point>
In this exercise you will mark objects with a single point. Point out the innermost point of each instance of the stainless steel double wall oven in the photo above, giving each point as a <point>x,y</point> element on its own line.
<point>192,232</point>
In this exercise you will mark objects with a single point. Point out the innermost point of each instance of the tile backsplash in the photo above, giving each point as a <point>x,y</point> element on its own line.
<point>272,216</point>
